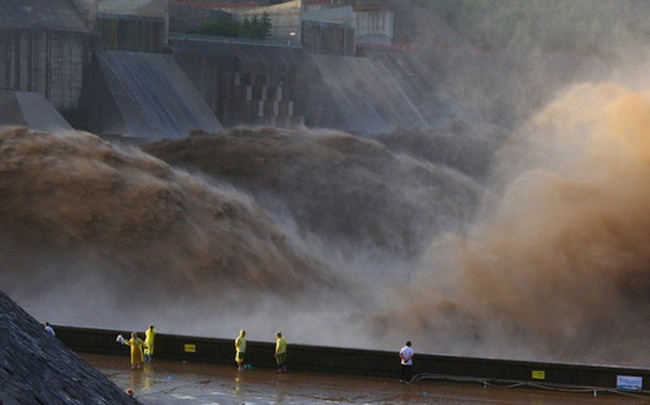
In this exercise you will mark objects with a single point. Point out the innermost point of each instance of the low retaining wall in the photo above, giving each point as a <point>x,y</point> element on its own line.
<point>363,362</point>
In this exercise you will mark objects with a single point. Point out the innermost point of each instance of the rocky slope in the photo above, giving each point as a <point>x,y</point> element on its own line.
<point>36,368</point>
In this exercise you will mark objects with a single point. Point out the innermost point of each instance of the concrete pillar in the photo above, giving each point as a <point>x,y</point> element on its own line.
<point>88,11</point>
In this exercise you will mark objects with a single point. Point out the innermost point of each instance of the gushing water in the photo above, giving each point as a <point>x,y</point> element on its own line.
<point>343,241</point>
<point>558,267</point>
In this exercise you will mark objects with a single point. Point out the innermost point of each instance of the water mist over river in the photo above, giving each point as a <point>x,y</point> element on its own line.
<point>558,267</point>
<point>348,241</point>
<point>297,229</point>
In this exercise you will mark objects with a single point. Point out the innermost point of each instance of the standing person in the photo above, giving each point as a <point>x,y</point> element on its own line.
<point>49,329</point>
<point>406,356</point>
<point>136,350</point>
<point>150,335</point>
<point>281,352</point>
<point>240,349</point>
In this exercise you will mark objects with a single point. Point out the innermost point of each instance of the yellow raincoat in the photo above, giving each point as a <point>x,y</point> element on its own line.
<point>150,336</point>
<point>136,349</point>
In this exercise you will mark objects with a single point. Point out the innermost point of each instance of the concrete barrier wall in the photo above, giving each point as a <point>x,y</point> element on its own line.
<point>355,362</point>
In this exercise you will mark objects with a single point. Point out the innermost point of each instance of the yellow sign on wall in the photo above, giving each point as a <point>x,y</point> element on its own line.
<point>539,375</point>
<point>190,348</point>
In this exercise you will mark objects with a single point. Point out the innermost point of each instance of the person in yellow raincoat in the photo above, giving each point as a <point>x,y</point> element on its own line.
<point>240,349</point>
<point>136,350</point>
<point>149,343</point>
<point>281,352</point>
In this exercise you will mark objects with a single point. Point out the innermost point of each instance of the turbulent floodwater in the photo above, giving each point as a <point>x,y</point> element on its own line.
<point>558,267</point>
<point>347,241</point>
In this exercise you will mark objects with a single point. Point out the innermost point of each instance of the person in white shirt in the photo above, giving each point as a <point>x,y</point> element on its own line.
<point>49,329</point>
<point>406,356</point>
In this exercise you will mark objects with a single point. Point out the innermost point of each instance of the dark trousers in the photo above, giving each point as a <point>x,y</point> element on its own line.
<point>406,373</point>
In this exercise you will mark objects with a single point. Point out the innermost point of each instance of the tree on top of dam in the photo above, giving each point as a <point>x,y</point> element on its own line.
<point>255,28</point>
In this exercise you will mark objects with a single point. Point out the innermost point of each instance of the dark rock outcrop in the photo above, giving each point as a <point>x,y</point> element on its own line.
<point>36,368</point>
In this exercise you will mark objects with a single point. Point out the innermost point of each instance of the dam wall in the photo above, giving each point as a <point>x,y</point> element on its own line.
<point>50,63</point>
<point>284,86</point>
<point>31,110</point>
<point>44,50</point>
<point>382,92</point>
<point>143,95</point>
<point>131,33</point>
<point>378,102</point>
<point>251,84</point>
<point>369,363</point>
<point>50,51</point>
<point>327,38</point>
<point>154,9</point>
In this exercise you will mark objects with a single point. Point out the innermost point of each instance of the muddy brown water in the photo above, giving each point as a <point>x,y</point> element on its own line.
<point>169,382</point>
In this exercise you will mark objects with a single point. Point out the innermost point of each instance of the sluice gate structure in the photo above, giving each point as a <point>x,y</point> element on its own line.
<point>373,363</point>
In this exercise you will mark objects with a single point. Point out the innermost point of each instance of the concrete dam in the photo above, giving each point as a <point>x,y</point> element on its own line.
<point>339,184</point>
<point>109,74</point>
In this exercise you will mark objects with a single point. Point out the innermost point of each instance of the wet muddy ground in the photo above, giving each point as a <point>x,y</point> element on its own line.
<point>168,382</point>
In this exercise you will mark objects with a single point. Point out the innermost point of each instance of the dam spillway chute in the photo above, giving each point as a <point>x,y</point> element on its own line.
<point>144,95</point>
<point>32,110</point>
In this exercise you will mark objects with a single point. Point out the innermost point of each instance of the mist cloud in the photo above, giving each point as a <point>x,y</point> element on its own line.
<point>558,268</point>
